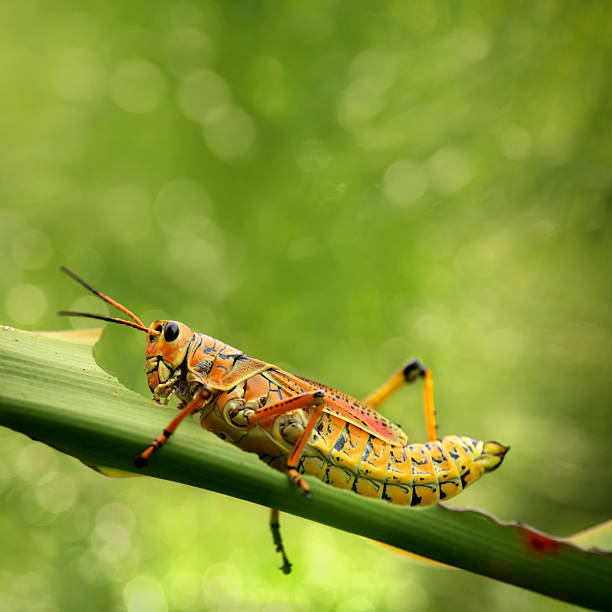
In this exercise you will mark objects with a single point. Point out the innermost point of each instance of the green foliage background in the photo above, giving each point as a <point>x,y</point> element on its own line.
<point>332,187</point>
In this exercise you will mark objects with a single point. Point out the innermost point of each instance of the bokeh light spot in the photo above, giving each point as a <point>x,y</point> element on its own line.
<point>26,304</point>
<point>56,492</point>
<point>222,586</point>
<point>379,66</point>
<point>186,48</point>
<point>184,587</point>
<point>228,131</point>
<point>144,594</point>
<point>473,42</point>
<point>34,460</point>
<point>206,16</point>
<point>117,512</point>
<point>179,198</point>
<point>359,604</point>
<point>201,254</point>
<point>87,303</point>
<point>433,329</point>
<point>554,141</point>
<point>110,540</point>
<point>200,92</point>
<point>361,101</point>
<point>31,249</point>
<point>405,182</point>
<point>32,591</point>
<point>515,142</point>
<point>269,88</point>
<point>450,169</point>
<point>137,86</point>
<point>6,476</point>
<point>79,75</point>
<point>373,74</point>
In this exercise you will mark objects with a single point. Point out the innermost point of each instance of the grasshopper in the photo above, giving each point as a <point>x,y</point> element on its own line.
<point>300,426</point>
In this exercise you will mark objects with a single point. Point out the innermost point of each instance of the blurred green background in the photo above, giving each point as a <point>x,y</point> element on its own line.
<point>332,187</point>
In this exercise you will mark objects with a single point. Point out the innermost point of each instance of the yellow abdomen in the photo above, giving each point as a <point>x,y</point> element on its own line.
<point>343,455</point>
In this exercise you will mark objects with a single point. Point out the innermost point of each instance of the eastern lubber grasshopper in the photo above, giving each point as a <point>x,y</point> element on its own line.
<point>300,426</point>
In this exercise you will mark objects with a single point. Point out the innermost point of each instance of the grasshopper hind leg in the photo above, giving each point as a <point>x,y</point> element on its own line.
<point>278,541</point>
<point>409,373</point>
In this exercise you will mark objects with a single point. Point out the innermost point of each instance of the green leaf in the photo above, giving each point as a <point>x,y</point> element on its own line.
<point>597,535</point>
<point>52,389</point>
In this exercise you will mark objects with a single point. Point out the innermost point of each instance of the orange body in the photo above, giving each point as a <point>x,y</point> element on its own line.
<point>351,446</point>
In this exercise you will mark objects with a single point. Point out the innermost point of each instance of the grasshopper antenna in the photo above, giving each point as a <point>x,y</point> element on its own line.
<point>107,299</point>
<point>72,313</point>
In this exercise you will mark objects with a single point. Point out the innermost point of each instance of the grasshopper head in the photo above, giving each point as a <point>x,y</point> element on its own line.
<point>166,350</point>
<point>167,342</point>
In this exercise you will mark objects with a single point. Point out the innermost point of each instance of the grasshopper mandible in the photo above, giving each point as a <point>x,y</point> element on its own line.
<point>300,426</point>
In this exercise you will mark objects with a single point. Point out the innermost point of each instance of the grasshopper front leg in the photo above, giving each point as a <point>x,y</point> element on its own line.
<point>195,404</point>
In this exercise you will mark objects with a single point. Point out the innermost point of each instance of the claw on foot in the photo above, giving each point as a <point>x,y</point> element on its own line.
<point>140,461</point>
<point>294,477</point>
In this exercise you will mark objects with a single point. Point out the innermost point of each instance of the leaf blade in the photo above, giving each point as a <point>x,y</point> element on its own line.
<point>54,391</point>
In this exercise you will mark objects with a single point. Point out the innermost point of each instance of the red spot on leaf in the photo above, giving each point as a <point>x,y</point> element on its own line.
<point>538,543</point>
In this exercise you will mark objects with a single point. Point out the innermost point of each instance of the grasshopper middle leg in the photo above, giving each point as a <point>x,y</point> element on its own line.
<point>278,542</point>
<point>314,400</point>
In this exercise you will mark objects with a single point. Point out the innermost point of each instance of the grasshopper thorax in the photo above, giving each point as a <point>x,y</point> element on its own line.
<point>165,353</point>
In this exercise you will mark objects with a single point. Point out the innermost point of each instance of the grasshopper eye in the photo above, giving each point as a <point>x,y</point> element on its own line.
<point>171,331</point>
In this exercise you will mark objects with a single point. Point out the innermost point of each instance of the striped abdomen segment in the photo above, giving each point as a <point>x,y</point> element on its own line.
<point>345,456</point>
<point>424,474</point>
